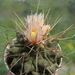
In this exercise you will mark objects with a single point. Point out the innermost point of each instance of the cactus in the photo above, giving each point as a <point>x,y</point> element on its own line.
<point>32,51</point>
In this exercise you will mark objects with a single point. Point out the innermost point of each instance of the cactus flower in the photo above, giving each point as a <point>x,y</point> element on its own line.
<point>36,29</point>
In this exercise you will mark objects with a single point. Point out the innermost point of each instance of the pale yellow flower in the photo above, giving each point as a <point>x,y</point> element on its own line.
<point>71,74</point>
<point>70,46</point>
<point>36,29</point>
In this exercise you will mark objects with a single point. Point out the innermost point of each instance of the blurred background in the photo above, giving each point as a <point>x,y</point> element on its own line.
<point>64,8</point>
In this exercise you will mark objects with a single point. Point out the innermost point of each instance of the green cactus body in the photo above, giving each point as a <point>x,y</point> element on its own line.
<point>47,60</point>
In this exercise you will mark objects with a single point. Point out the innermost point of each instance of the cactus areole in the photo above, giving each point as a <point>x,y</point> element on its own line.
<point>32,52</point>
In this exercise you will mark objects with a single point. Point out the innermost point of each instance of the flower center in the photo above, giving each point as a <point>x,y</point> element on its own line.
<point>33,33</point>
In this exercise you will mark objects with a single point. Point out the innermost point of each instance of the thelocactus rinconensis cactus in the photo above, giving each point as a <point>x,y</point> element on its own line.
<point>33,52</point>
